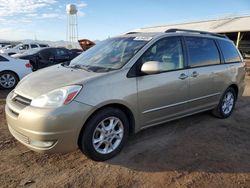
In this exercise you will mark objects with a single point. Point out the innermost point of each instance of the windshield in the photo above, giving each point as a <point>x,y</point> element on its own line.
<point>110,54</point>
<point>17,46</point>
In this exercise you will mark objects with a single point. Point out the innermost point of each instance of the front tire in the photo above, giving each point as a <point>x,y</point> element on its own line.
<point>226,105</point>
<point>105,134</point>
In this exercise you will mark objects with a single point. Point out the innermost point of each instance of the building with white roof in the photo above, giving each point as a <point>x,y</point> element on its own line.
<point>236,28</point>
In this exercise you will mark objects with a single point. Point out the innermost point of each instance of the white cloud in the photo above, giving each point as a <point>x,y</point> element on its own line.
<point>27,14</point>
<point>81,5</point>
<point>32,15</point>
<point>5,30</point>
<point>80,13</point>
<point>50,15</point>
<point>14,7</point>
<point>15,33</point>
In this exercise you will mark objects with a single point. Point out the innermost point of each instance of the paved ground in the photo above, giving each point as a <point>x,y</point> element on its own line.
<point>197,151</point>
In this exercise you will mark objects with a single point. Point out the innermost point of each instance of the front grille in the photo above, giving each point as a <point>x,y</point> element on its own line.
<point>19,136</point>
<point>21,100</point>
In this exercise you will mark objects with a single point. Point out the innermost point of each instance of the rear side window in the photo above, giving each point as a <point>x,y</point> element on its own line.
<point>47,53</point>
<point>61,52</point>
<point>202,52</point>
<point>229,51</point>
<point>34,46</point>
<point>43,45</point>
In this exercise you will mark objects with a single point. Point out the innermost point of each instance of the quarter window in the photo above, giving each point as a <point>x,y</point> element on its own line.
<point>202,52</point>
<point>229,51</point>
<point>168,52</point>
<point>34,46</point>
<point>3,59</point>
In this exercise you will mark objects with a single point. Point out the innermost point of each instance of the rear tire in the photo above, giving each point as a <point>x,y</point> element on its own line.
<point>104,134</point>
<point>8,80</point>
<point>226,105</point>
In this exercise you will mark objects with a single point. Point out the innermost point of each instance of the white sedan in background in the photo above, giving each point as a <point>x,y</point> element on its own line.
<point>12,71</point>
<point>20,48</point>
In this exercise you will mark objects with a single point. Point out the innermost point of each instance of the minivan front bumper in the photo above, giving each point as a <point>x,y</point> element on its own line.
<point>46,130</point>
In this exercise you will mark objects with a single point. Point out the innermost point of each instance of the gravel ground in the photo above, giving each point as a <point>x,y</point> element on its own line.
<point>197,151</point>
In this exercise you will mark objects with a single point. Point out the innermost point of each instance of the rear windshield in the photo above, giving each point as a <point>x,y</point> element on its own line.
<point>229,51</point>
<point>110,54</point>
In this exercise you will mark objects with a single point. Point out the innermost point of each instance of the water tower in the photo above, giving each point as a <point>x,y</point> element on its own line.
<point>72,24</point>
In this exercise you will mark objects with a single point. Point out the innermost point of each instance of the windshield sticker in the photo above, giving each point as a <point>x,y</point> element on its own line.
<point>143,38</point>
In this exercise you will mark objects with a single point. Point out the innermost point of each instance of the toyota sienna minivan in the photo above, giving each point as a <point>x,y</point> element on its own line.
<point>123,85</point>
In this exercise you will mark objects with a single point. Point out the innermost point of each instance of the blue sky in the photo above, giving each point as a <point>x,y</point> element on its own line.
<point>99,19</point>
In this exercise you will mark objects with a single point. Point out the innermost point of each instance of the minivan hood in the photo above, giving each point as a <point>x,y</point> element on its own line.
<point>48,79</point>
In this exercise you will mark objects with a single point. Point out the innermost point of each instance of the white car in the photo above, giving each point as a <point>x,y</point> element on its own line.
<point>28,52</point>
<point>12,71</point>
<point>20,48</point>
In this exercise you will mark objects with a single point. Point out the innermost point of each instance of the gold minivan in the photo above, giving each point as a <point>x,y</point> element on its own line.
<point>123,85</point>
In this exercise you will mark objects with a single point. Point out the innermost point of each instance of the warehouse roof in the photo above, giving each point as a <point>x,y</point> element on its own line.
<point>224,25</point>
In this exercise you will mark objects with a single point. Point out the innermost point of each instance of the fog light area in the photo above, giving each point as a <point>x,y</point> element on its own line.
<point>41,144</point>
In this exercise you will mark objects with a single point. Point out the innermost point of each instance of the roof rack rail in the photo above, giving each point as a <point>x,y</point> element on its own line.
<point>133,32</point>
<point>196,31</point>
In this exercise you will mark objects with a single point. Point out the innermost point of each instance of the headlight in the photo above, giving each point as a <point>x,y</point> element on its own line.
<point>57,98</point>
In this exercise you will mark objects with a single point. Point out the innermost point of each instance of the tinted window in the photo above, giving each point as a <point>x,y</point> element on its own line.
<point>202,52</point>
<point>34,46</point>
<point>168,52</point>
<point>61,52</point>
<point>43,45</point>
<point>229,51</point>
<point>24,47</point>
<point>47,54</point>
<point>3,59</point>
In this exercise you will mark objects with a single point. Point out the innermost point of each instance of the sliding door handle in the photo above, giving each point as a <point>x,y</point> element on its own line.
<point>183,76</point>
<point>194,74</point>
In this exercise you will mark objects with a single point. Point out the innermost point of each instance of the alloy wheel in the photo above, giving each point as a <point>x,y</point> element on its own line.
<point>228,103</point>
<point>7,80</point>
<point>108,135</point>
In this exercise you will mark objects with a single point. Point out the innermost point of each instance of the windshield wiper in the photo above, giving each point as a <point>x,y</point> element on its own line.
<point>100,69</point>
<point>77,66</point>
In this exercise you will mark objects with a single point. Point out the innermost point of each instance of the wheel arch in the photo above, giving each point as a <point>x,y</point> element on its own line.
<point>236,89</point>
<point>11,72</point>
<point>128,112</point>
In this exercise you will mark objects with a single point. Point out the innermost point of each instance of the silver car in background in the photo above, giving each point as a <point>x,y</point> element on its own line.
<point>123,85</point>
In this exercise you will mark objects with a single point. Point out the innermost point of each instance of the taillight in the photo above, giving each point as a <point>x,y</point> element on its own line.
<point>28,65</point>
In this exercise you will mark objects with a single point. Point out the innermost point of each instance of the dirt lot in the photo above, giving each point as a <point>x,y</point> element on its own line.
<point>198,151</point>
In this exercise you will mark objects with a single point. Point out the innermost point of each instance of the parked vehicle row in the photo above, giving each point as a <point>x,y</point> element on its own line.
<point>12,69</point>
<point>123,85</point>
<point>20,48</point>
<point>4,44</point>
<point>46,57</point>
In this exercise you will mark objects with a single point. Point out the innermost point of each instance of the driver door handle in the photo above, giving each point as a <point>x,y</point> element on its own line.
<point>183,76</point>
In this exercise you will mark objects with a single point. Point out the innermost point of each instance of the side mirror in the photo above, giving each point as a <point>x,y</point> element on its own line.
<point>151,67</point>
